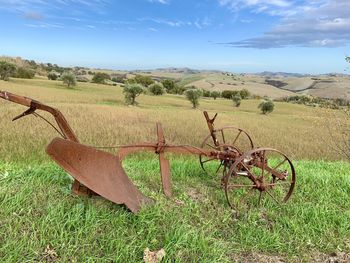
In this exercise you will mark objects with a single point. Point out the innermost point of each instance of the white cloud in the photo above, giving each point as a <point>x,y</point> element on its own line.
<point>257,5</point>
<point>172,23</point>
<point>317,23</point>
<point>152,29</point>
<point>164,2</point>
<point>26,5</point>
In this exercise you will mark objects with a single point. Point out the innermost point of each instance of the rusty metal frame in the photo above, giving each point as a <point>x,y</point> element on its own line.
<point>102,173</point>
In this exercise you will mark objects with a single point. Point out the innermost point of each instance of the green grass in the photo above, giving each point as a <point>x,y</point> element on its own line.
<point>39,212</point>
<point>40,220</point>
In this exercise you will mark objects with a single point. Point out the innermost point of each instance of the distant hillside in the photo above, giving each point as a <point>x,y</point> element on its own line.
<point>270,74</point>
<point>269,84</point>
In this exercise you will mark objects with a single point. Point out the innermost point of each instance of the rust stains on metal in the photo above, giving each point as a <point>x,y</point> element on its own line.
<point>100,171</point>
<point>164,163</point>
<point>63,127</point>
<point>265,171</point>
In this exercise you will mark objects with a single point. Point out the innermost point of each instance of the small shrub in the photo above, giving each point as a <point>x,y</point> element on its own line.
<point>236,100</point>
<point>206,93</point>
<point>156,89</point>
<point>100,78</point>
<point>82,79</point>
<point>7,70</point>
<point>179,89</point>
<point>193,96</point>
<point>228,94</point>
<point>144,80</point>
<point>244,94</point>
<point>169,85</point>
<point>266,106</point>
<point>24,73</point>
<point>119,79</point>
<point>215,94</point>
<point>53,75</point>
<point>131,91</point>
<point>69,79</point>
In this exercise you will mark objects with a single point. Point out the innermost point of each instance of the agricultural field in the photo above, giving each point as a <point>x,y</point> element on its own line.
<point>271,85</point>
<point>41,221</point>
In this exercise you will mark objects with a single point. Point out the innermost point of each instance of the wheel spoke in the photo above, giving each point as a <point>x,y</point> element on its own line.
<point>232,186</point>
<point>211,146</point>
<point>260,197</point>
<point>282,183</point>
<point>251,176</point>
<point>272,196</point>
<point>223,136</point>
<point>219,167</point>
<point>249,192</point>
<point>237,137</point>
<point>263,167</point>
<point>209,160</point>
<point>285,159</point>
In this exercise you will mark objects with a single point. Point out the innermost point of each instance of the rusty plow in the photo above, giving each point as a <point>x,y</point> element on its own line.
<point>229,150</point>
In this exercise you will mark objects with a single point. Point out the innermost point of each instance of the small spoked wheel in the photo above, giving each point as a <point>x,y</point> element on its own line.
<point>258,175</point>
<point>229,139</point>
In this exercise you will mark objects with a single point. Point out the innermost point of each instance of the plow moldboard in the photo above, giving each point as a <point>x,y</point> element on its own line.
<point>100,171</point>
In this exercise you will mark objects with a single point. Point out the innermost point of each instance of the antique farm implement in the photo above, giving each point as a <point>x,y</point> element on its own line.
<point>229,151</point>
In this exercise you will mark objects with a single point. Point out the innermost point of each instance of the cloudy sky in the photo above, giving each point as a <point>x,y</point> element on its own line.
<point>236,35</point>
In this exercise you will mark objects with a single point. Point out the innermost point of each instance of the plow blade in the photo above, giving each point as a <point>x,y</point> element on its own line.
<point>100,171</point>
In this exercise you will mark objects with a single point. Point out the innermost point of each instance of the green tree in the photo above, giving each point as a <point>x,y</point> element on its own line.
<point>131,91</point>
<point>244,94</point>
<point>180,89</point>
<point>52,75</point>
<point>236,100</point>
<point>169,85</point>
<point>7,70</point>
<point>193,96</point>
<point>266,106</point>
<point>24,73</point>
<point>69,79</point>
<point>144,80</point>
<point>119,79</point>
<point>206,93</point>
<point>228,94</point>
<point>215,94</point>
<point>100,77</point>
<point>156,89</point>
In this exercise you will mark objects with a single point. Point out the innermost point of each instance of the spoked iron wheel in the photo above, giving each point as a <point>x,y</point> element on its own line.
<point>229,139</point>
<point>259,175</point>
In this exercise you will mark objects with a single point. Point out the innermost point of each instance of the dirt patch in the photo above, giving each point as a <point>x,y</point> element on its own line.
<point>335,257</point>
<point>261,258</point>
<point>195,195</point>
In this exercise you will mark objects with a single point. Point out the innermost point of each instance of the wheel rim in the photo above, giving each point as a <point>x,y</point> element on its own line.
<point>259,175</point>
<point>229,139</point>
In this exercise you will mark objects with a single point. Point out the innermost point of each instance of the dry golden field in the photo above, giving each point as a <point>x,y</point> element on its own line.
<point>98,115</point>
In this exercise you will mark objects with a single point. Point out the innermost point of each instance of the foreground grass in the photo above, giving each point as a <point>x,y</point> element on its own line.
<point>40,220</point>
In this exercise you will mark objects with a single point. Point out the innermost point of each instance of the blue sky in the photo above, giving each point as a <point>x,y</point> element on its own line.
<point>235,35</point>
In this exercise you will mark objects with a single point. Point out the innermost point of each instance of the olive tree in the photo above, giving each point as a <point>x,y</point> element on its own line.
<point>69,79</point>
<point>52,75</point>
<point>193,96</point>
<point>169,85</point>
<point>131,91</point>
<point>156,89</point>
<point>7,70</point>
<point>266,106</point>
<point>100,77</point>
<point>215,94</point>
<point>236,100</point>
